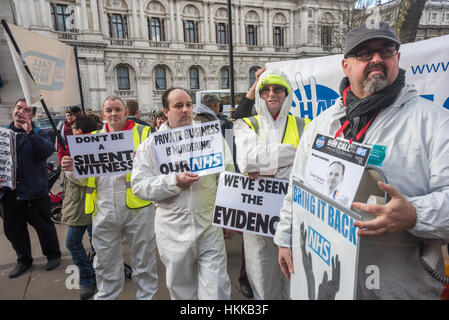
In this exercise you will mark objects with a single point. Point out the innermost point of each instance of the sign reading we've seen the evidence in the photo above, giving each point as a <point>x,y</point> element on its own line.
<point>249,205</point>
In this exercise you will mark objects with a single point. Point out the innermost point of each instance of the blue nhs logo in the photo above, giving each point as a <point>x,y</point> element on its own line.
<point>320,245</point>
<point>207,161</point>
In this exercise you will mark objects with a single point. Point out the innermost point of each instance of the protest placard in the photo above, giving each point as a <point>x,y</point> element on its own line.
<point>249,205</point>
<point>316,81</point>
<point>335,167</point>
<point>102,154</point>
<point>8,158</point>
<point>325,248</point>
<point>197,148</point>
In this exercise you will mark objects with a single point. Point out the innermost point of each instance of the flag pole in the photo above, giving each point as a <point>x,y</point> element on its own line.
<point>231,59</point>
<point>44,105</point>
<point>75,49</point>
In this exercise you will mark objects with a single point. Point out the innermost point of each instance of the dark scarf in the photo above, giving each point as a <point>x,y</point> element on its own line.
<point>360,111</point>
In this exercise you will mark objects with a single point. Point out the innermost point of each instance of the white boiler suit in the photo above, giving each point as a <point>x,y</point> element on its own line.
<point>265,153</point>
<point>191,248</point>
<point>415,133</point>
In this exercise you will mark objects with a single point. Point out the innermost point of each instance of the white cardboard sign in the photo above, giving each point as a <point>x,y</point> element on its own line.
<point>249,205</point>
<point>102,154</point>
<point>197,148</point>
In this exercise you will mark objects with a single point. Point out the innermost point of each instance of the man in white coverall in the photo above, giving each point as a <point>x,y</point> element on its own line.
<point>378,107</point>
<point>266,146</point>
<point>191,248</point>
<point>117,213</point>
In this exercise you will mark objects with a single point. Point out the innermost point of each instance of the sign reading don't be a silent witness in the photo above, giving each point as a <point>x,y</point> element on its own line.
<point>102,154</point>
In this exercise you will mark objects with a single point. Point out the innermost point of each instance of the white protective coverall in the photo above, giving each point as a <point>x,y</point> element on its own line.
<point>110,223</point>
<point>415,132</point>
<point>191,248</point>
<point>265,153</point>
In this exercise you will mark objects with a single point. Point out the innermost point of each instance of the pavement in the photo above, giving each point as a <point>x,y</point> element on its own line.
<point>58,284</point>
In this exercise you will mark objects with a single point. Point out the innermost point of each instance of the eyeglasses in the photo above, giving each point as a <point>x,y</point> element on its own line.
<point>25,110</point>
<point>276,90</point>
<point>368,54</point>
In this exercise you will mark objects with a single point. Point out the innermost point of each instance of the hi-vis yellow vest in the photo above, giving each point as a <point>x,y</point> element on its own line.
<point>294,128</point>
<point>140,133</point>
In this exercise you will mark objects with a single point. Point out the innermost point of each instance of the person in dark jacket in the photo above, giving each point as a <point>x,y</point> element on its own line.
<point>245,108</point>
<point>29,202</point>
<point>134,113</point>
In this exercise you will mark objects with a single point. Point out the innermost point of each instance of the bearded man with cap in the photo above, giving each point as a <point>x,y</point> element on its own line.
<point>266,146</point>
<point>378,107</point>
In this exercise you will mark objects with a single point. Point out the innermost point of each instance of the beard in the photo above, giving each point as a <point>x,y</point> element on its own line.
<point>378,81</point>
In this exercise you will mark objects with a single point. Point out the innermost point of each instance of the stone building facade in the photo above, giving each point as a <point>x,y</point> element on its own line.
<point>137,48</point>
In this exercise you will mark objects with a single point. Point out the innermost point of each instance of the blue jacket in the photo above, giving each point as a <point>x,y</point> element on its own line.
<point>32,152</point>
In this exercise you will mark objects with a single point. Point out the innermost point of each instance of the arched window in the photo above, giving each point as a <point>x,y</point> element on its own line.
<point>194,78</point>
<point>252,75</point>
<point>278,37</point>
<point>118,26</point>
<point>222,37</point>
<point>62,17</point>
<point>224,78</point>
<point>191,31</point>
<point>251,35</point>
<point>161,78</point>
<point>156,29</point>
<point>123,78</point>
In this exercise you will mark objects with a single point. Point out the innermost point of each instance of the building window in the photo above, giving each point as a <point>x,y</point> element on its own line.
<point>326,36</point>
<point>191,31</point>
<point>278,37</point>
<point>156,29</point>
<point>252,75</point>
<point>194,78</point>
<point>118,26</point>
<point>224,78</point>
<point>123,78</point>
<point>62,18</point>
<point>251,35</point>
<point>161,78</point>
<point>310,13</point>
<point>222,37</point>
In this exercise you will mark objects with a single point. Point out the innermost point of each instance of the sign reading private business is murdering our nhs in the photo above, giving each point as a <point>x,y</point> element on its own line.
<point>197,148</point>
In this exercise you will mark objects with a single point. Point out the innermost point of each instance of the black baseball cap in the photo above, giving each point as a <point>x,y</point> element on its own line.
<point>75,109</point>
<point>367,31</point>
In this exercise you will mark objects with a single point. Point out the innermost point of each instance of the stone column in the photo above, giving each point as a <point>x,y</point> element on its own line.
<point>31,7</point>
<point>45,14</point>
<point>270,28</point>
<point>94,11</point>
<point>84,23</point>
<point>135,20</point>
<point>103,19</point>
<point>291,39</point>
<point>213,34</point>
<point>304,26</point>
<point>237,24</point>
<point>172,26</point>
<point>266,26</point>
<point>143,28</point>
<point>180,36</point>
<point>242,26</point>
<point>206,24</point>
